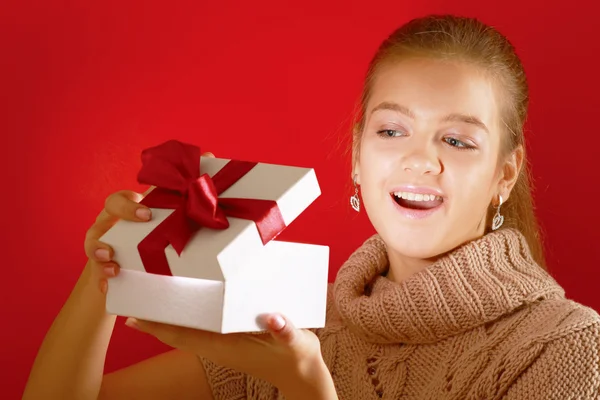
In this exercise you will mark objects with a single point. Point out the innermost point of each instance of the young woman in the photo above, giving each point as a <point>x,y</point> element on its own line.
<point>450,300</point>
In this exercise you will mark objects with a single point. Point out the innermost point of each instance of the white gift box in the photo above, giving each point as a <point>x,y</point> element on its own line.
<point>224,279</point>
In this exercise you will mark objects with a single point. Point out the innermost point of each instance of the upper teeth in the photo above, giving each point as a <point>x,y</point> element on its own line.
<point>417,196</point>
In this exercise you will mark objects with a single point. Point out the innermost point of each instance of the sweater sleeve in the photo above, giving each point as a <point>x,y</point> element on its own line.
<point>568,368</point>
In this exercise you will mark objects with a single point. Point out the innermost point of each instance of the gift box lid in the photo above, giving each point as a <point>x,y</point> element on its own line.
<point>175,243</point>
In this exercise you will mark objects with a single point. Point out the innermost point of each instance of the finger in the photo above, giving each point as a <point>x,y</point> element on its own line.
<point>208,154</point>
<point>281,329</point>
<point>100,272</point>
<point>97,250</point>
<point>125,205</point>
<point>103,286</point>
<point>108,270</point>
<point>94,248</point>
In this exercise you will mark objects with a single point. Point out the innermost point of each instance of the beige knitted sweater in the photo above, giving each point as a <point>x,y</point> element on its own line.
<point>484,322</point>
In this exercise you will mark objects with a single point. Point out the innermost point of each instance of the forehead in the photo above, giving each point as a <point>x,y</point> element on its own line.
<point>432,89</point>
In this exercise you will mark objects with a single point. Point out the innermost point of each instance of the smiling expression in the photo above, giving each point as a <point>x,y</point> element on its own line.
<point>428,162</point>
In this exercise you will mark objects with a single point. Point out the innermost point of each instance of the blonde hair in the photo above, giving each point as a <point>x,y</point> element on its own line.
<point>467,39</point>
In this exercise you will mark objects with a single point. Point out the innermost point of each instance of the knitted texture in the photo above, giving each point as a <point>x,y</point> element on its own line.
<point>482,322</point>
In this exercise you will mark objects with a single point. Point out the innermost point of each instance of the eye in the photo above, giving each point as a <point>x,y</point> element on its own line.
<point>454,142</point>
<point>390,133</point>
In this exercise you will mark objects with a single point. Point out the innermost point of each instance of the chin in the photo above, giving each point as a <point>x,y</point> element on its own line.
<point>422,230</point>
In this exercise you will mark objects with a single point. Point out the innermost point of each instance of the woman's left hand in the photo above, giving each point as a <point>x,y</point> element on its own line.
<point>287,357</point>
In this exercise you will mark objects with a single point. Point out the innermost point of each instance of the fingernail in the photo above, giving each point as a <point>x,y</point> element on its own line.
<point>277,322</point>
<point>143,213</point>
<point>103,287</point>
<point>102,254</point>
<point>109,270</point>
<point>132,323</point>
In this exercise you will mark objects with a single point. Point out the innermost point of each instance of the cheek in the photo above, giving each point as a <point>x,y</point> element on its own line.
<point>376,165</point>
<point>471,181</point>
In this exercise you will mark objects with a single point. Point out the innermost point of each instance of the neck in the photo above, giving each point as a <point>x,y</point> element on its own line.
<point>402,267</point>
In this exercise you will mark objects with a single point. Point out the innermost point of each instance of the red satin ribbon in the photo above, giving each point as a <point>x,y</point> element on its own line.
<point>174,168</point>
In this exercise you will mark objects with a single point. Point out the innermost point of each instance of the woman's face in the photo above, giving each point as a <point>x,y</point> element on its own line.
<point>428,164</point>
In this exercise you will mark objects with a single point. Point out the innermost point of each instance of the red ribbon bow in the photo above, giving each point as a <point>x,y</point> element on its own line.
<point>174,168</point>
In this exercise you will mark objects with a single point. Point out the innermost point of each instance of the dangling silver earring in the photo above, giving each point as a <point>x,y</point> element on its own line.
<point>498,218</point>
<point>354,200</point>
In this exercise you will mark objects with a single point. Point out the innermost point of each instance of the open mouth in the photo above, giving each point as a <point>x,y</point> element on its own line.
<point>417,201</point>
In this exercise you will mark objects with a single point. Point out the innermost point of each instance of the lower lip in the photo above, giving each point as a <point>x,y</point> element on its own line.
<point>411,213</point>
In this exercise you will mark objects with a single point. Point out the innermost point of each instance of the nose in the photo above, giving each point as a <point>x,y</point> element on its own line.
<point>422,161</point>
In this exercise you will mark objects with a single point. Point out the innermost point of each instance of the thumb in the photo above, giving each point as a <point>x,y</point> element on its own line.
<point>281,329</point>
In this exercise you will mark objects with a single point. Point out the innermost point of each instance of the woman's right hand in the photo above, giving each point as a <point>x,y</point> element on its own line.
<point>119,205</point>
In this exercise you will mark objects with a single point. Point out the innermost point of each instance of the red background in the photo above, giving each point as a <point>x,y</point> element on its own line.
<point>87,85</point>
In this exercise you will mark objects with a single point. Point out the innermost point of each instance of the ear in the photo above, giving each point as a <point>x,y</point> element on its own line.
<point>510,172</point>
<point>356,172</point>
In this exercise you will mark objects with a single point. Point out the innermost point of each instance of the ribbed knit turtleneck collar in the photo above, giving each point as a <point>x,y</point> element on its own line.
<point>475,284</point>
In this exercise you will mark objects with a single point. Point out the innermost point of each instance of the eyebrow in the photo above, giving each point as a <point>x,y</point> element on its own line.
<point>454,117</point>
<point>386,105</point>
